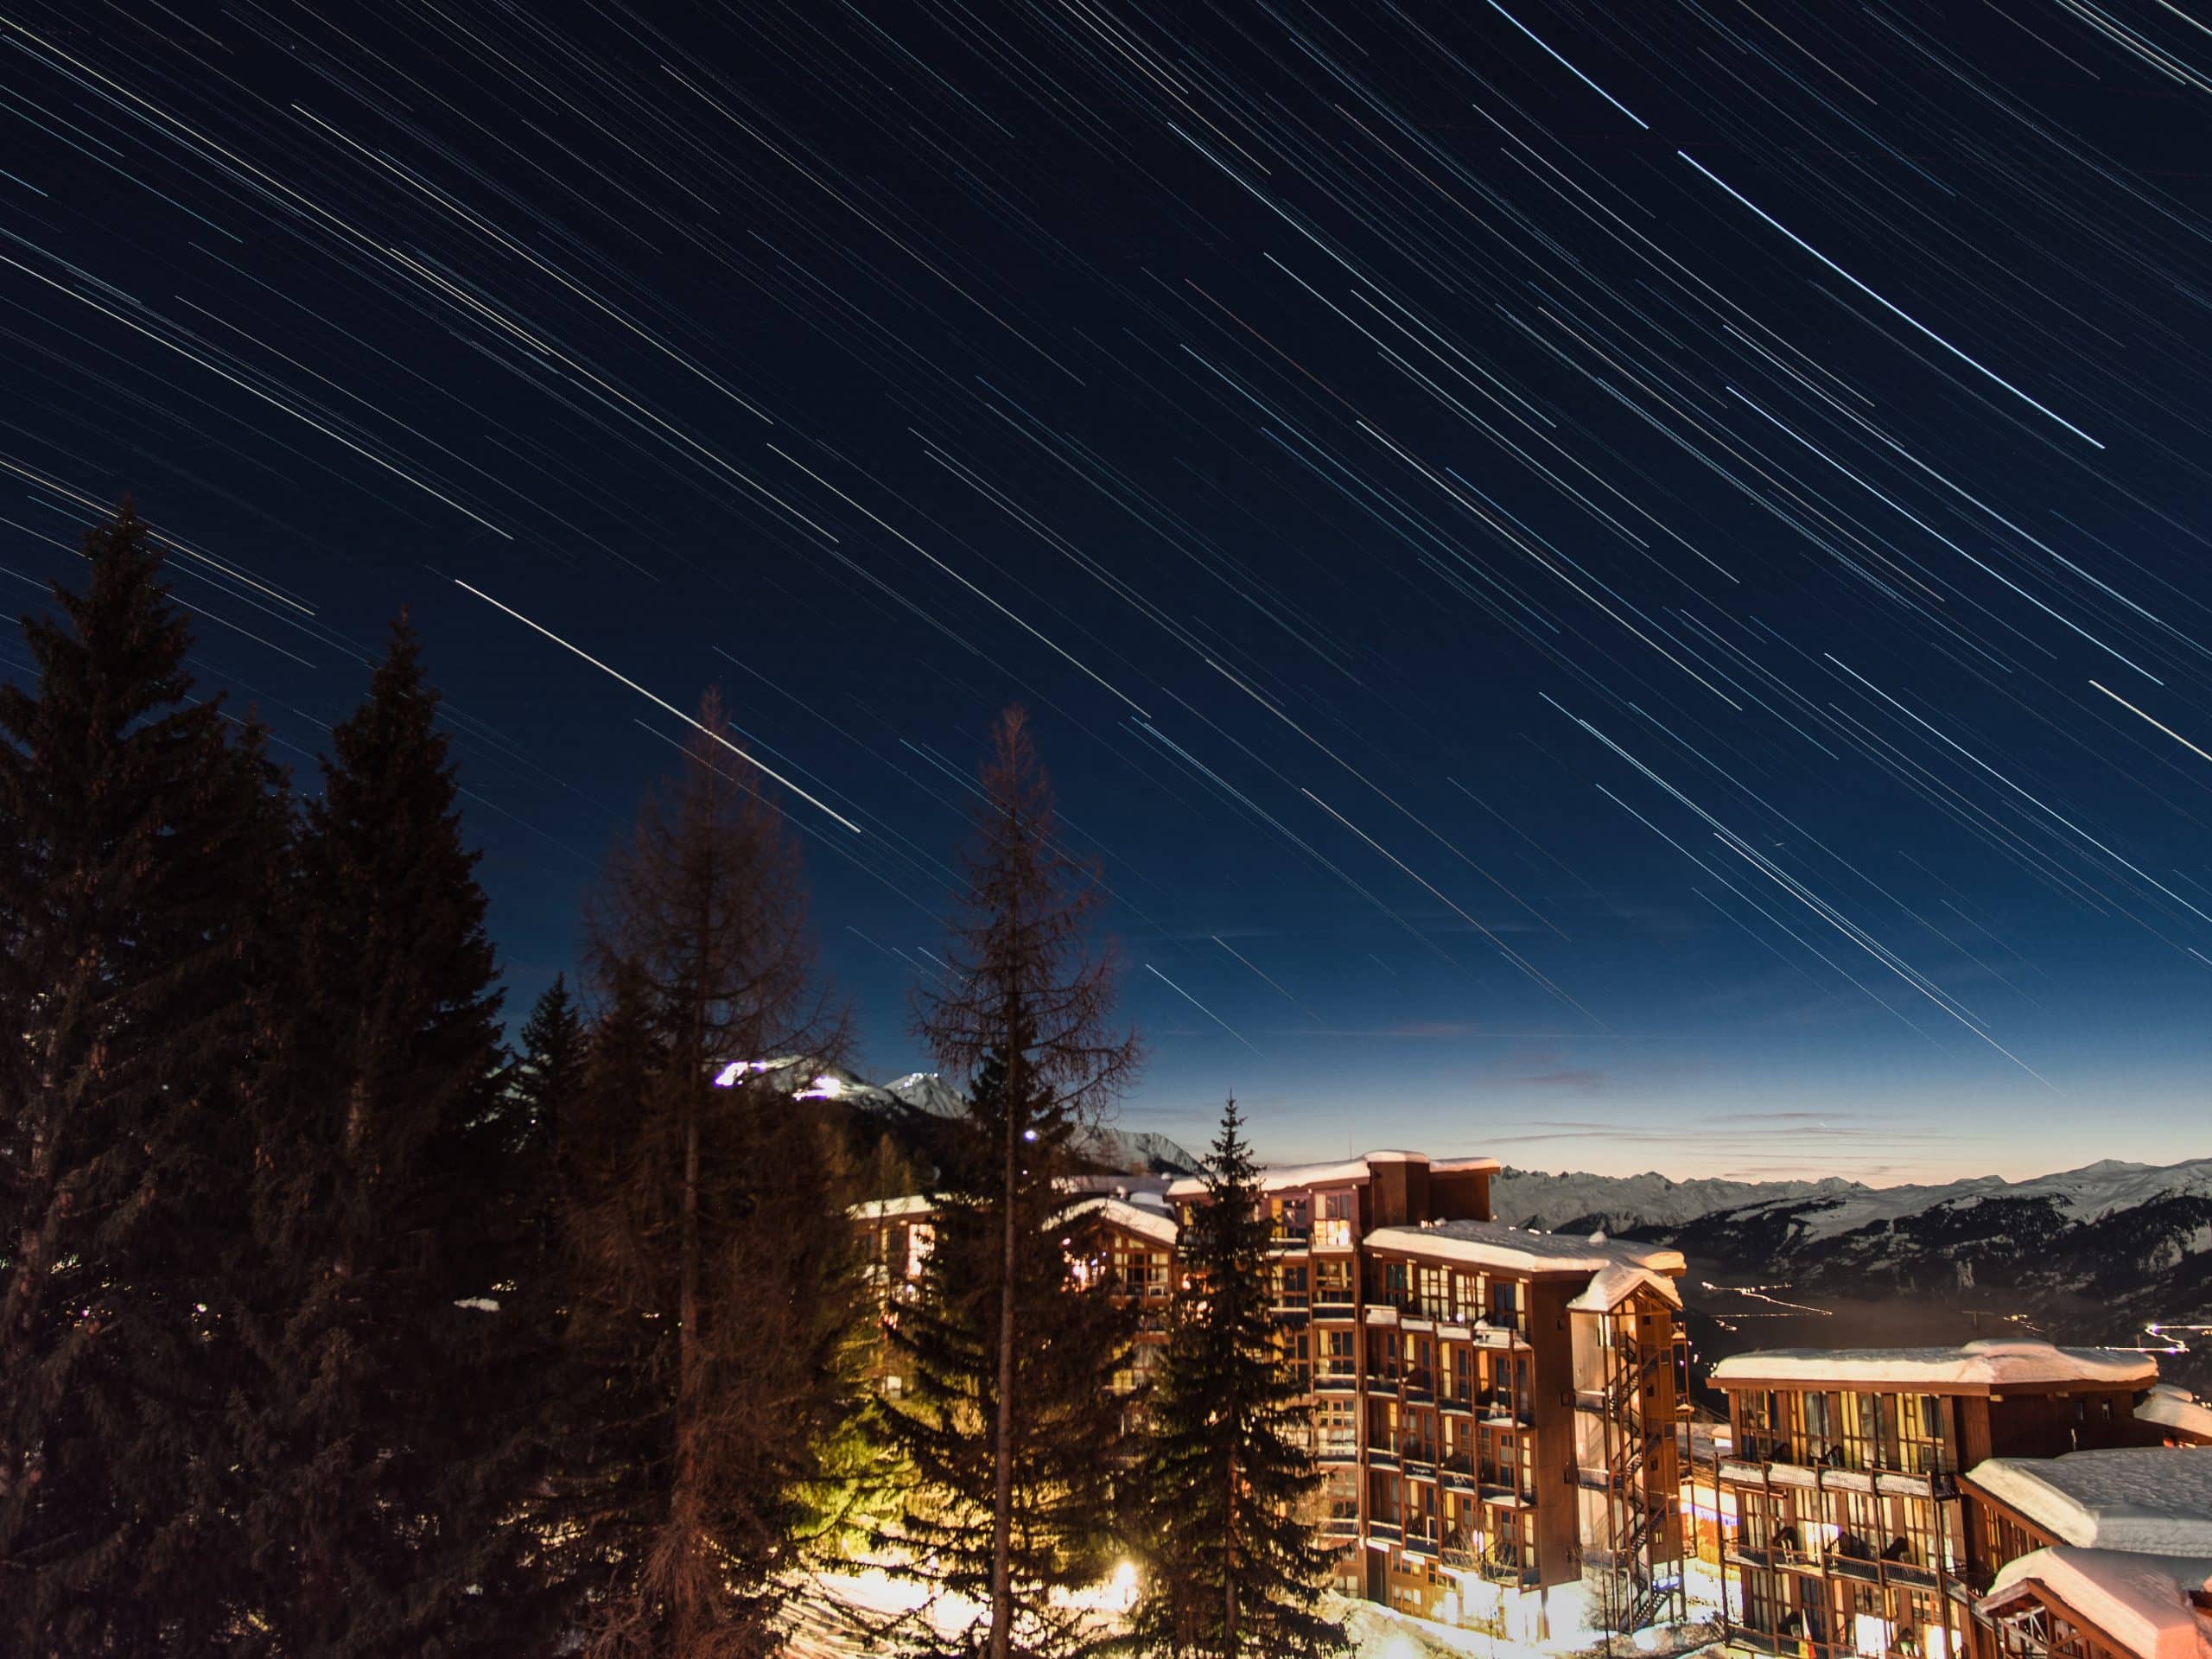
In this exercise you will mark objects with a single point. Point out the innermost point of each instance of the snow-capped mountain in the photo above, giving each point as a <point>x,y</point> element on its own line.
<point>927,1095</point>
<point>2094,1255</point>
<point>1631,1206</point>
<point>1829,1207</point>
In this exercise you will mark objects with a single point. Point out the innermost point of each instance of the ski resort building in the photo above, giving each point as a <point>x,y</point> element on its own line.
<point>1857,1535</point>
<point>1494,1407</point>
<point>2064,1603</point>
<point>2153,1500</point>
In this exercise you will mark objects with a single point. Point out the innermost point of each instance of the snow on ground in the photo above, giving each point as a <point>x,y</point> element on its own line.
<point>833,1616</point>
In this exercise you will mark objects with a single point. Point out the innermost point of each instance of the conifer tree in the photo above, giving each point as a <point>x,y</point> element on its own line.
<point>544,1090</point>
<point>1008,1421</point>
<point>387,1451</point>
<point>1235,1567</point>
<point>714,1267</point>
<point>132,837</point>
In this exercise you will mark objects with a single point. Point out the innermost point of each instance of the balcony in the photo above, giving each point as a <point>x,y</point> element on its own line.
<point>1420,1388</point>
<point>1335,1376</point>
<point>1340,1526</point>
<point>1386,1530</point>
<point>1457,1400</point>
<point>1420,1540</point>
<point>1381,1457</point>
<point>1333,1304</point>
<point>1282,1237</point>
<point>1498,1486</point>
<point>1338,1451</point>
<point>1506,1573</point>
<point>1458,1472</point>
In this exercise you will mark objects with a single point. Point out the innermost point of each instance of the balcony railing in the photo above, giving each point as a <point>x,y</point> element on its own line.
<point>1331,1299</point>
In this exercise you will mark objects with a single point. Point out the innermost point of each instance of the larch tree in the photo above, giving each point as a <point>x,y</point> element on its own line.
<point>714,1271</point>
<point>133,836</point>
<point>1235,1566</point>
<point>387,1446</point>
<point>1007,1417</point>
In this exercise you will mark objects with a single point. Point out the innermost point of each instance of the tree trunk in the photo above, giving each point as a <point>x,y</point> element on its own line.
<point>687,1382</point>
<point>1002,1452</point>
<point>1228,1570</point>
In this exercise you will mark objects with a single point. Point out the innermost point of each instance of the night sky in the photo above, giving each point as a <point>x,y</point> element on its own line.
<point>1620,585</point>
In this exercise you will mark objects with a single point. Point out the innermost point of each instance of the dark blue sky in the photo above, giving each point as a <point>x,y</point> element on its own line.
<point>1622,587</point>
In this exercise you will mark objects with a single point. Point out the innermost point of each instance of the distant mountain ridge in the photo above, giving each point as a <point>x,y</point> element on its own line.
<point>1633,1205</point>
<point>2094,1254</point>
<point>922,1097</point>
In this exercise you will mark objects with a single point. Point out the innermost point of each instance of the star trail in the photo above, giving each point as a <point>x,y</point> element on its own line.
<point>1594,577</point>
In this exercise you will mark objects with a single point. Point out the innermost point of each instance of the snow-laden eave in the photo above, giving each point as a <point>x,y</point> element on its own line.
<point>1515,1249</point>
<point>2171,1408</point>
<point>1282,1178</point>
<point>2153,1500</point>
<point>916,1204</point>
<point>1149,1224</point>
<point>1611,1286</point>
<point>1997,1362</point>
<point>2138,1603</point>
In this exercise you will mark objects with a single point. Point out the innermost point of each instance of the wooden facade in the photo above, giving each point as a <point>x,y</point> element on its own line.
<point>1855,1536</point>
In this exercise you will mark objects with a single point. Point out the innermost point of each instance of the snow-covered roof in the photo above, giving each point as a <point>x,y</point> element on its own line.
<point>2171,1406</point>
<point>1280,1178</point>
<point>2142,1602</point>
<point>1610,1287</point>
<point>1994,1362</point>
<point>916,1203</point>
<point>1117,1212</point>
<point>2154,1500</point>
<point>1521,1250</point>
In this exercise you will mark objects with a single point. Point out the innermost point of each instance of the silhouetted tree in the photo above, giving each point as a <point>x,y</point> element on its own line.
<point>1007,1418</point>
<point>387,1451</point>
<point>1234,1566</point>
<point>133,836</point>
<point>714,1295</point>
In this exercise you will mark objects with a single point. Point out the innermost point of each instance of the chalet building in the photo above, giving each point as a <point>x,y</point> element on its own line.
<point>2064,1603</point>
<point>2101,1554</point>
<point>2181,1419</point>
<point>1856,1535</point>
<point>1494,1408</point>
<point>2153,1500</point>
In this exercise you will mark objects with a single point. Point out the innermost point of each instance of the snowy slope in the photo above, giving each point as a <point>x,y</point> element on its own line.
<point>929,1095</point>
<point>1830,1208</point>
<point>1632,1204</point>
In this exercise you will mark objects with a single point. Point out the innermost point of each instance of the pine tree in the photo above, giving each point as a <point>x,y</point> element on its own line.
<point>543,1094</point>
<point>388,1454</point>
<point>715,1289</point>
<point>132,837</point>
<point>1009,1421</point>
<point>1235,1567</point>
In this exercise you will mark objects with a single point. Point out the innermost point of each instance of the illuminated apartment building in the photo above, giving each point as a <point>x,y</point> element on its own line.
<point>1494,1409</point>
<point>1854,1536</point>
